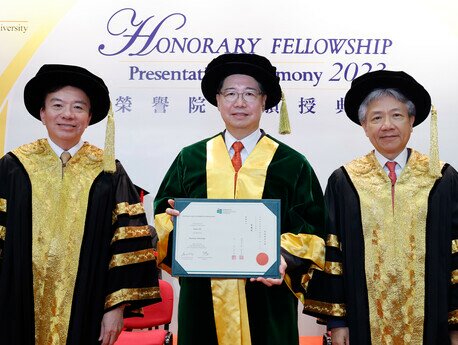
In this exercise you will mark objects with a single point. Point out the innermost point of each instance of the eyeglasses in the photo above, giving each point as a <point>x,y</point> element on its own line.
<point>249,96</point>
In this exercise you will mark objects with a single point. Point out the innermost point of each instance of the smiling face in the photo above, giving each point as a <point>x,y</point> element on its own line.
<point>388,126</point>
<point>241,115</point>
<point>66,114</point>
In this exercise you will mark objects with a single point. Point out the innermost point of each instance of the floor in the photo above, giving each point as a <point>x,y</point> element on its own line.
<point>303,340</point>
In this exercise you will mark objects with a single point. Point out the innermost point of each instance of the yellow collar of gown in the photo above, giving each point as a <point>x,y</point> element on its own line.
<point>229,299</point>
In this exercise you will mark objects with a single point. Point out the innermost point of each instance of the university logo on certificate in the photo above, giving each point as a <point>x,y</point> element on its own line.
<point>226,238</point>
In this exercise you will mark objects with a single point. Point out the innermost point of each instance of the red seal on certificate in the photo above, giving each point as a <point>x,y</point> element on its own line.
<point>262,259</point>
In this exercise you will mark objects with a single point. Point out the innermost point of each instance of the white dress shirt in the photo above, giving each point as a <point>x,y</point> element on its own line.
<point>401,161</point>
<point>249,142</point>
<point>58,150</point>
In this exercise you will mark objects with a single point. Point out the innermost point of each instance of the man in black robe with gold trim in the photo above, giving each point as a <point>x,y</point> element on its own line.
<point>244,311</point>
<point>75,247</point>
<point>391,272</point>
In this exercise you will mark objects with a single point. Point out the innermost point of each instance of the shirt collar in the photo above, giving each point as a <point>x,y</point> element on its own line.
<point>401,159</point>
<point>249,142</point>
<point>58,150</point>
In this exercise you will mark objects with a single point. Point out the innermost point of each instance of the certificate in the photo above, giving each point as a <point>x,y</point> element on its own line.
<point>227,238</point>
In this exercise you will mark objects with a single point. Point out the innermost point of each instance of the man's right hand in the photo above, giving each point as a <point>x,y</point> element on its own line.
<point>340,336</point>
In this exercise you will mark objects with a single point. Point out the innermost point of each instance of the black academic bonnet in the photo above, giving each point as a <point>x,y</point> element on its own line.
<point>52,76</point>
<point>253,65</point>
<point>408,86</point>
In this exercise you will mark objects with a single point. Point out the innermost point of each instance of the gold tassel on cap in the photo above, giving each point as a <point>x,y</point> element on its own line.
<point>434,164</point>
<point>284,126</point>
<point>109,164</point>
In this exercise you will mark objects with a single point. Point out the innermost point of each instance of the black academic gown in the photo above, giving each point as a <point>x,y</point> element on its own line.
<point>345,297</point>
<point>94,282</point>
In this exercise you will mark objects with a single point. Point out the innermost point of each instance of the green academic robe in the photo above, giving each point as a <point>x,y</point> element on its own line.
<point>272,311</point>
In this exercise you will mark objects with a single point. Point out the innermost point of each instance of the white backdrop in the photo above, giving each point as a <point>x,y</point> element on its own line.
<point>153,53</point>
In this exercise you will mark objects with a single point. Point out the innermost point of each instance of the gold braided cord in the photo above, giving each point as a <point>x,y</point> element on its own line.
<point>2,205</point>
<point>130,258</point>
<point>434,164</point>
<point>134,294</point>
<point>126,232</point>
<point>109,164</point>
<point>331,309</point>
<point>284,125</point>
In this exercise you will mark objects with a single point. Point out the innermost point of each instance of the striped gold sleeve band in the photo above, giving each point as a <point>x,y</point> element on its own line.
<point>334,268</point>
<point>126,208</point>
<point>127,232</point>
<point>132,258</point>
<point>454,277</point>
<point>454,246</point>
<point>2,232</point>
<point>135,294</point>
<point>333,241</point>
<point>331,309</point>
<point>2,205</point>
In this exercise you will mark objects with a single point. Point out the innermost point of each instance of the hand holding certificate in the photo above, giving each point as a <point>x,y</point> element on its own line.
<point>227,238</point>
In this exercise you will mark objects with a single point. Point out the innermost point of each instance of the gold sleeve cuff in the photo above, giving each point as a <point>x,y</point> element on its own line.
<point>454,246</point>
<point>164,226</point>
<point>305,246</point>
<point>126,208</point>
<point>324,308</point>
<point>334,268</point>
<point>454,278</point>
<point>128,295</point>
<point>2,205</point>
<point>126,232</point>
<point>2,232</point>
<point>132,258</point>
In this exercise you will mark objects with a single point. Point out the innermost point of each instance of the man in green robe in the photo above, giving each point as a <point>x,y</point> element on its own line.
<point>258,310</point>
<point>75,247</point>
<point>392,233</point>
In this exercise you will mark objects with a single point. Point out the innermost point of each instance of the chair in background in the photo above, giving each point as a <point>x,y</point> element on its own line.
<point>146,330</point>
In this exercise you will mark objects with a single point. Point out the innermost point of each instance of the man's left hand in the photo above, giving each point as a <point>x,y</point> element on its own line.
<point>112,323</point>
<point>272,281</point>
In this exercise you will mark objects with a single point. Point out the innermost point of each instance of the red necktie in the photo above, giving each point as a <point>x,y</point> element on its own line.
<point>392,175</point>
<point>236,159</point>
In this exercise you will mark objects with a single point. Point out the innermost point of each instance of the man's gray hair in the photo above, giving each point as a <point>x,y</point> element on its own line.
<point>379,93</point>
